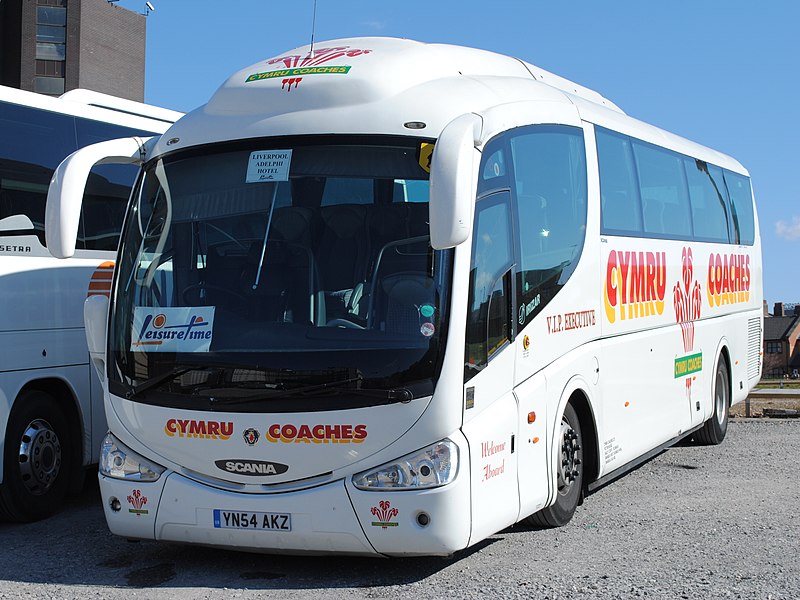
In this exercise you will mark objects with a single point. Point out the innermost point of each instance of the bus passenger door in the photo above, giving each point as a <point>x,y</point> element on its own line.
<point>490,414</point>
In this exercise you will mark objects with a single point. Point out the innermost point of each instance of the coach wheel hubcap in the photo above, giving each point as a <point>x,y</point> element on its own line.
<point>39,457</point>
<point>721,397</point>
<point>570,458</point>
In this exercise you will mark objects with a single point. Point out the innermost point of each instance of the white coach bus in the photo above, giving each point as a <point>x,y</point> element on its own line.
<point>389,298</point>
<point>51,403</point>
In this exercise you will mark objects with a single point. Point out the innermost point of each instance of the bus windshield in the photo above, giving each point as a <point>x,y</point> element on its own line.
<point>280,276</point>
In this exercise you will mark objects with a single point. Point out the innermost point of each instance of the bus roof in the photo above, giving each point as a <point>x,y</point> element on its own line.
<point>367,85</point>
<point>376,85</point>
<point>96,106</point>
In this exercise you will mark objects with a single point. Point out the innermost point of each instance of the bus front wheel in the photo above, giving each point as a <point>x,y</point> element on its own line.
<point>37,458</point>
<point>714,430</point>
<point>569,474</point>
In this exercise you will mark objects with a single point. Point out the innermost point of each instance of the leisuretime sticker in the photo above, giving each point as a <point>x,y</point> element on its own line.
<point>268,165</point>
<point>160,329</point>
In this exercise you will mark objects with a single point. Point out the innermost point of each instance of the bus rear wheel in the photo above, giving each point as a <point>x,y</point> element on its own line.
<point>37,459</point>
<point>569,475</point>
<point>714,430</point>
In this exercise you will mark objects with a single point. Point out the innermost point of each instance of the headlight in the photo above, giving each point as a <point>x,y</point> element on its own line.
<point>120,462</point>
<point>430,467</point>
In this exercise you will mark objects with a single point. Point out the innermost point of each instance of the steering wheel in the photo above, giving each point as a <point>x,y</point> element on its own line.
<point>196,287</point>
<point>344,323</point>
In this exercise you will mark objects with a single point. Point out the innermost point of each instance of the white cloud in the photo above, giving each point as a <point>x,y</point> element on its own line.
<point>789,231</point>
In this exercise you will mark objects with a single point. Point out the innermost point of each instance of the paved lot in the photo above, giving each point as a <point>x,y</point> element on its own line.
<point>720,522</point>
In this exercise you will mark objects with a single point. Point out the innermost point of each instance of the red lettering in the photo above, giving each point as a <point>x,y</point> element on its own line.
<point>197,428</point>
<point>289,432</point>
<point>360,432</point>
<point>611,284</point>
<point>624,264</point>
<point>274,432</point>
<point>651,276</point>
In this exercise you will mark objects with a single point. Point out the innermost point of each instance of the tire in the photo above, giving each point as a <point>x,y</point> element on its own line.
<point>713,430</point>
<point>569,477</point>
<point>37,461</point>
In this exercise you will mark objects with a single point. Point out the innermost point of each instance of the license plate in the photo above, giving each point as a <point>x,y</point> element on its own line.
<point>262,521</point>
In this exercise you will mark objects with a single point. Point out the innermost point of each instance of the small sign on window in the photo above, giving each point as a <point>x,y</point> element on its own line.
<point>268,165</point>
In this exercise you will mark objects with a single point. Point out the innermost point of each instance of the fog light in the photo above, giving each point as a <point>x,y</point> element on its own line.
<point>423,519</point>
<point>114,504</point>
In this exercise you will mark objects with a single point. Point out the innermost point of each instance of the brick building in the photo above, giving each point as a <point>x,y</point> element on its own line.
<point>781,350</point>
<point>52,46</point>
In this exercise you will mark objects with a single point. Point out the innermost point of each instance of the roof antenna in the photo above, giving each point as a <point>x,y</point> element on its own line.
<point>313,26</point>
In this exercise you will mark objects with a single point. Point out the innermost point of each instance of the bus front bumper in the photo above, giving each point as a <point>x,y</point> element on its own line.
<point>331,518</point>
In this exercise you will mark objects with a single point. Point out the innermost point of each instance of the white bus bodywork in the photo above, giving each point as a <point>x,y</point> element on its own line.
<point>613,343</point>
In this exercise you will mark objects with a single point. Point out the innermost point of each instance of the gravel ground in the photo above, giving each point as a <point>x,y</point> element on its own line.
<point>695,522</point>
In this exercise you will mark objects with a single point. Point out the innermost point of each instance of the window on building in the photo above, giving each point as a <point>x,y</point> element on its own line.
<point>48,85</point>
<point>51,47</point>
<point>774,347</point>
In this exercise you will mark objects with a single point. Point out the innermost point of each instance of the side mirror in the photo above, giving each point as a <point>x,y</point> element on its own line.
<point>95,320</point>
<point>454,176</point>
<point>65,195</point>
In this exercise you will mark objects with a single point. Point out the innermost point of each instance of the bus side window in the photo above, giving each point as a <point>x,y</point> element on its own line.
<point>741,208</point>
<point>620,209</point>
<point>709,201</point>
<point>32,144</point>
<point>488,322</point>
<point>551,198</point>
<point>664,192</point>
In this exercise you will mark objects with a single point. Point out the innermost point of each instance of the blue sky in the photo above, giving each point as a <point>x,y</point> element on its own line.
<point>723,73</point>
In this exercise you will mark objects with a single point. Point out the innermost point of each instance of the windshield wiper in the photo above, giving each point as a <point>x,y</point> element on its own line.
<point>332,387</point>
<point>153,382</point>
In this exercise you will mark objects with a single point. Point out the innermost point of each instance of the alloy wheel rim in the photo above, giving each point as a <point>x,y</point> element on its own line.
<point>568,471</point>
<point>39,457</point>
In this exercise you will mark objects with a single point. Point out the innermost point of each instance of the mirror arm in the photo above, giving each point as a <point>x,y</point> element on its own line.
<point>65,194</point>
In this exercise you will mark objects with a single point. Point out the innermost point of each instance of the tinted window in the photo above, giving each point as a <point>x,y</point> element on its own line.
<point>33,143</point>
<point>709,200</point>
<point>650,191</point>
<point>619,190</point>
<point>51,15</point>
<point>488,328</point>
<point>662,186</point>
<point>493,172</point>
<point>742,208</point>
<point>107,190</point>
<point>550,185</point>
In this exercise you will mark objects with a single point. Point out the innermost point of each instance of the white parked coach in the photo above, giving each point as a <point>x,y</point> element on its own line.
<point>386,297</point>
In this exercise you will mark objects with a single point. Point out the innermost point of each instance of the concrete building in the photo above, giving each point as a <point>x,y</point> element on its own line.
<point>52,46</point>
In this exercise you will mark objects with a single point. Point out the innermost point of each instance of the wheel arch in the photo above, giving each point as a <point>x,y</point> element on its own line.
<point>722,353</point>
<point>576,393</point>
<point>67,400</point>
